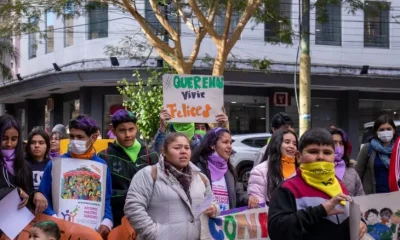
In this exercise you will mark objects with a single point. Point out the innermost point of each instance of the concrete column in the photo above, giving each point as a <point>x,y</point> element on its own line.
<point>348,107</point>
<point>56,116</point>
<point>91,104</point>
<point>34,115</point>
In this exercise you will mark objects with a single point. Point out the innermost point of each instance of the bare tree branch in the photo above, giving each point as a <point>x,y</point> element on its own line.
<point>228,17</point>
<point>184,18</point>
<point>248,12</point>
<point>205,22</point>
<point>164,22</point>
<point>151,36</point>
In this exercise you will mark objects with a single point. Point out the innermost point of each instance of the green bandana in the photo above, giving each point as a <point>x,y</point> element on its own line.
<point>184,128</point>
<point>132,152</point>
<point>200,132</point>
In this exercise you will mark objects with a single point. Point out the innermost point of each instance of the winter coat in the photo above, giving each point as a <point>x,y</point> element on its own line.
<point>237,196</point>
<point>366,169</point>
<point>258,182</point>
<point>353,182</point>
<point>160,209</point>
<point>122,170</point>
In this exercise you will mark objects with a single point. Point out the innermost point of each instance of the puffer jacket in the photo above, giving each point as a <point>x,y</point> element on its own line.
<point>258,182</point>
<point>353,182</point>
<point>160,209</point>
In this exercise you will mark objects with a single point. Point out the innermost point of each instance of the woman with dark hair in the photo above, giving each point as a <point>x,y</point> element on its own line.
<point>374,158</point>
<point>281,165</point>
<point>37,154</point>
<point>15,172</point>
<point>343,169</point>
<point>163,199</point>
<point>212,157</point>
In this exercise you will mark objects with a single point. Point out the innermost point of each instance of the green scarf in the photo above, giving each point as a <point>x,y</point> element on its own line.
<point>184,128</point>
<point>132,152</point>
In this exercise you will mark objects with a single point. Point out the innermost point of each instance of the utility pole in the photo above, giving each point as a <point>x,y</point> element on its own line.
<point>305,69</point>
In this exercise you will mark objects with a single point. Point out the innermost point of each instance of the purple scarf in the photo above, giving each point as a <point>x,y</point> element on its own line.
<point>8,160</point>
<point>217,166</point>
<point>340,165</point>
<point>54,155</point>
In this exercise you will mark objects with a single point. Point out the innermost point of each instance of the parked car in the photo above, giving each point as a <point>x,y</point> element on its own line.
<point>245,148</point>
<point>369,132</point>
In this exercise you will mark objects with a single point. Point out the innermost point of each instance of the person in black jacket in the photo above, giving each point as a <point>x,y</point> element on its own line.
<point>37,154</point>
<point>212,157</point>
<point>125,157</point>
<point>313,204</point>
<point>15,172</point>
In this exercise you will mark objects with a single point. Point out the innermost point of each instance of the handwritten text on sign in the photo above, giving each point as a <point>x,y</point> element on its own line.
<point>193,98</point>
<point>239,223</point>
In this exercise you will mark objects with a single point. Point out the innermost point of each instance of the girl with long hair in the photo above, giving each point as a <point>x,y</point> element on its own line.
<point>281,165</point>
<point>37,154</point>
<point>212,157</point>
<point>15,172</point>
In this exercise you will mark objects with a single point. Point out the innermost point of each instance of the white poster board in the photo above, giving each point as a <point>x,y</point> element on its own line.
<point>193,98</point>
<point>382,214</point>
<point>238,223</point>
<point>78,190</point>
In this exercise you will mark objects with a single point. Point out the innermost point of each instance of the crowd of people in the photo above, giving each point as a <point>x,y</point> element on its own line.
<point>306,183</point>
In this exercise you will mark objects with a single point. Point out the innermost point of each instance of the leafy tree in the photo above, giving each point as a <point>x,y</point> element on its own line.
<point>145,99</point>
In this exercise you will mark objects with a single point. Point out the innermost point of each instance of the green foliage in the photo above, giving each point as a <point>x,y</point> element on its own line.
<point>145,98</point>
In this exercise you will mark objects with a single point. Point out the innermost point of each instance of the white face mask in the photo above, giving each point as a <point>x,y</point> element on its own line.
<point>78,146</point>
<point>385,136</point>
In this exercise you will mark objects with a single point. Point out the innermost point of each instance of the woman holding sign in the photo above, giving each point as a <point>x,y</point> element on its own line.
<point>15,172</point>
<point>212,157</point>
<point>166,200</point>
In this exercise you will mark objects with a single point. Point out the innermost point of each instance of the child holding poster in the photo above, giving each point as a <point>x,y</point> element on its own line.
<point>312,205</point>
<point>81,183</point>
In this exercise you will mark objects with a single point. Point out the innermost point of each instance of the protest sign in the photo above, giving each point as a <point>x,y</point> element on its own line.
<point>238,223</point>
<point>382,214</point>
<point>193,98</point>
<point>123,231</point>
<point>78,190</point>
<point>69,230</point>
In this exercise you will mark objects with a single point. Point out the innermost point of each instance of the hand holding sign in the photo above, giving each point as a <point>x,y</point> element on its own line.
<point>193,98</point>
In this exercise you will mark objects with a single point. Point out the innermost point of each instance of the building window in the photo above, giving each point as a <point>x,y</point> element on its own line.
<point>50,17</point>
<point>376,24</point>
<point>278,28</point>
<point>169,12</point>
<point>329,31</point>
<point>69,25</point>
<point>32,44</point>
<point>219,23</point>
<point>98,20</point>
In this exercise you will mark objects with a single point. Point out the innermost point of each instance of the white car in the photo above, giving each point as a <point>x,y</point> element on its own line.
<point>369,132</point>
<point>246,147</point>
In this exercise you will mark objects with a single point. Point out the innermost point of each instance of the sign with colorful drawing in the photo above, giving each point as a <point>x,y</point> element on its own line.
<point>78,190</point>
<point>193,98</point>
<point>238,223</point>
<point>382,214</point>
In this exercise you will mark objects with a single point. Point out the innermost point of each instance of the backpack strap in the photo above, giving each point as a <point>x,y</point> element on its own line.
<point>203,178</point>
<point>154,172</point>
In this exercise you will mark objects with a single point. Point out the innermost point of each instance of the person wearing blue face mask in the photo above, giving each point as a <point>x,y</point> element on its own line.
<point>373,161</point>
<point>343,168</point>
<point>82,136</point>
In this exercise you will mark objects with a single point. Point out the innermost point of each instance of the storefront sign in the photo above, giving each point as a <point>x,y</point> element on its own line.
<point>281,99</point>
<point>193,98</point>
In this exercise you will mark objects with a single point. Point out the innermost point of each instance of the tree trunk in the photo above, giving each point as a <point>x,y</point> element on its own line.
<point>220,62</point>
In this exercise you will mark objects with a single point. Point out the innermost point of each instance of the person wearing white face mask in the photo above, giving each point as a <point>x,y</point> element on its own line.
<point>82,136</point>
<point>374,158</point>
